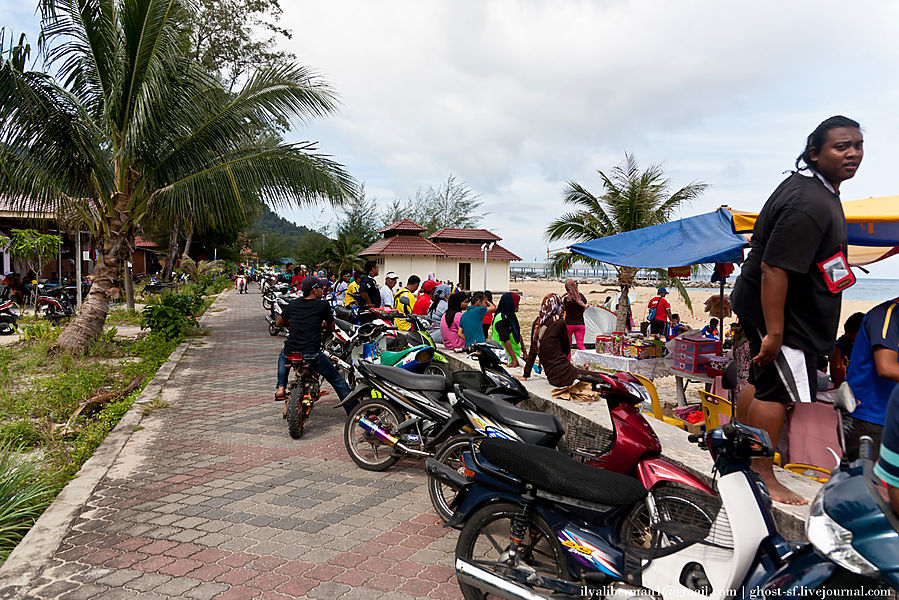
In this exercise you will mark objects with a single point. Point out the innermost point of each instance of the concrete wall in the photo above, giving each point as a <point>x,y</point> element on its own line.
<point>497,273</point>
<point>404,266</point>
<point>675,448</point>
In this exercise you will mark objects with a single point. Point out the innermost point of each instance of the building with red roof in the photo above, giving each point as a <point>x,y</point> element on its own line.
<point>451,254</point>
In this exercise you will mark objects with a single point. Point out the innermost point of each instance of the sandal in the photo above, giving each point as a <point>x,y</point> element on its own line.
<point>280,396</point>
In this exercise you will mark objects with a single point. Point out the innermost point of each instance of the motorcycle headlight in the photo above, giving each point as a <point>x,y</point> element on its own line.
<point>638,390</point>
<point>833,540</point>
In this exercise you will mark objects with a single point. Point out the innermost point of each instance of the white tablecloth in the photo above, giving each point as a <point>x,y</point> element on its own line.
<point>648,367</point>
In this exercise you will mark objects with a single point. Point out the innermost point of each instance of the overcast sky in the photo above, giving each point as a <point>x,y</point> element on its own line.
<point>515,98</point>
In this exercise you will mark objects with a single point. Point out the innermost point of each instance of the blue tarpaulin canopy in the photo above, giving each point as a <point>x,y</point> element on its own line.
<point>707,238</point>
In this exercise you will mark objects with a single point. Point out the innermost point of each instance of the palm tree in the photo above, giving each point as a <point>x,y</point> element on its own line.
<point>631,199</point>
<point>342,253</point>
<point>128,129</point>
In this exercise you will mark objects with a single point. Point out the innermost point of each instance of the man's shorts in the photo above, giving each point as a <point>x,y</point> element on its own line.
<point>658,326</point>
<point>778,380</point>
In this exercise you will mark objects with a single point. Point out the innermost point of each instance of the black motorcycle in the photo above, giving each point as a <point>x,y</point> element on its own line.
<point>9,317</point>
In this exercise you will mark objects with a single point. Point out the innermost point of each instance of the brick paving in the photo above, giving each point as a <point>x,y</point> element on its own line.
<point>213,499</point>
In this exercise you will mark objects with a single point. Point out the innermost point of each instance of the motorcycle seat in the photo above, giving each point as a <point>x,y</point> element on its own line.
<point>390,358</point>
<point>346,326</point>
<point>512,416</point>
<point>412,381</point>
<point>554,472</point>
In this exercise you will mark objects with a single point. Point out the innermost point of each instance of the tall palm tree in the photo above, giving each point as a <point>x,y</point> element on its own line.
<point>631,199</point>
<point>126,128</point>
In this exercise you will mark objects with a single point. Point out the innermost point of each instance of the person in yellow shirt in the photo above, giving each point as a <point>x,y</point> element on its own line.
<point>404,301</point>
<point>352,290</point>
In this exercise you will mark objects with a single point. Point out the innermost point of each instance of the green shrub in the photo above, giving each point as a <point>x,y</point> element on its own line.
<point>173,315</point>
<point>37,330</point>
<point>23,495</point>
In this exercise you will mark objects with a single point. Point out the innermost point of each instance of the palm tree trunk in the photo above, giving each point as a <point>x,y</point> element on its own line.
<point>188,239</point>
<point>169,265</point>
<point>88,322</point>
<point>626,277</point>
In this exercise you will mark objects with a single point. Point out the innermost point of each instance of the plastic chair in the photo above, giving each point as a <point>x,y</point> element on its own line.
<point>716,410</point>
<point>656,404</point>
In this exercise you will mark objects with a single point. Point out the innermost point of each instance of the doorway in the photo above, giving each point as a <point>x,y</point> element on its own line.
<point>465,276</point>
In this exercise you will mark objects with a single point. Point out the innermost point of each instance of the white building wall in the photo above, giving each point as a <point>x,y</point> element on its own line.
<point>497,273</point>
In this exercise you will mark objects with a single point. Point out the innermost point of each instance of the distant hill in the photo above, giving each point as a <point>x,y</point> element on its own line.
<point>271,223</point>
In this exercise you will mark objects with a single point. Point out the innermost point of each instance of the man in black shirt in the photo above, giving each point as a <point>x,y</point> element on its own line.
<point>306,317</point>
<point>369,292</point>
<point>788,295</point>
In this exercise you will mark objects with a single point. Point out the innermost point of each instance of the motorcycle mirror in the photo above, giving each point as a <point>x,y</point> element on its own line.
<point>845,399</point>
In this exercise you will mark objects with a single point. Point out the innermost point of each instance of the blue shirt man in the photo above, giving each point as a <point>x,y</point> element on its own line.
<point>873,372</point>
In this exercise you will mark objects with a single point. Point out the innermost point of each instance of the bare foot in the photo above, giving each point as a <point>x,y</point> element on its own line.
<point>781,493</point>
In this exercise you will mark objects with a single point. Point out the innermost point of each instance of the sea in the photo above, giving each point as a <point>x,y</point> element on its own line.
<point>866,289</point>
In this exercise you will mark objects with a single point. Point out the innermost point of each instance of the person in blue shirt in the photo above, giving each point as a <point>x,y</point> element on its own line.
<point>887,467</point>
<point>675,328</point>
<point>873,374</point>
<point>472,319</point>
<point>711,330</point>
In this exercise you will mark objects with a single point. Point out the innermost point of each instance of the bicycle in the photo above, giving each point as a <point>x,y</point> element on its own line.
<point>303,391</point>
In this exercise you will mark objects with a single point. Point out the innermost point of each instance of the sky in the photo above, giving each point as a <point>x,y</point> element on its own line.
<point>516,98</point>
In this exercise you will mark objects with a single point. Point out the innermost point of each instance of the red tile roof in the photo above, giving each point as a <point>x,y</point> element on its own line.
<point>473,251</point>
<point>403,225</point>
<point>452,233</point>
<point>403,244</point>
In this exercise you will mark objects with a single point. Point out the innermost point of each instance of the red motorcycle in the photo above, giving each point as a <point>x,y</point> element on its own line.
<point>631,448</point>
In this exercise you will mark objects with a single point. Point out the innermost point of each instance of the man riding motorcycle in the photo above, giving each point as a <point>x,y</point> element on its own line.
<point>306,317</point>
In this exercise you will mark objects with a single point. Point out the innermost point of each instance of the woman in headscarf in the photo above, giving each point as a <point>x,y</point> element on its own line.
<point>506,329</point>
<point>450,331</point>
<point>550,341</point>
<point>438,306</point>
<point>575,303</point>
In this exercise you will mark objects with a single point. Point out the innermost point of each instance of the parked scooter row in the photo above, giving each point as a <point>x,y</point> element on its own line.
<point>537,525</point>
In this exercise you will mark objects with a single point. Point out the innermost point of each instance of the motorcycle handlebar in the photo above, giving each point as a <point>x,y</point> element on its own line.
<point>864,447</point>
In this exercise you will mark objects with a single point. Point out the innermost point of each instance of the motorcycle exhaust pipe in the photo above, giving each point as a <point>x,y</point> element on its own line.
<point>388,439</point>
<point>503,587</point>
<point>492,583</point>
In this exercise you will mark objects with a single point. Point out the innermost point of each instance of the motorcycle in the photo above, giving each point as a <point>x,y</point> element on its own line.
<point>274,291</point>
<point>241,284</point>
<point>9,317</point>
<point>54,305</point>
<point>555,529</point>
<point>631,448</point>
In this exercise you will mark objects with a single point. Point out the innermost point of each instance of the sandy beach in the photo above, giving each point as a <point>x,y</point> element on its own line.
<point>533,291</point>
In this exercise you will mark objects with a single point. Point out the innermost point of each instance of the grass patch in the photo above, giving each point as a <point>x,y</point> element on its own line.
<point>41,445</point>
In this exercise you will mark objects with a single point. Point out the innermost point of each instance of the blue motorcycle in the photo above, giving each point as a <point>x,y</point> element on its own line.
<point>538,525</point>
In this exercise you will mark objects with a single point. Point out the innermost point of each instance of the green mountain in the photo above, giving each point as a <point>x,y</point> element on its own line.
<point>285,239</point>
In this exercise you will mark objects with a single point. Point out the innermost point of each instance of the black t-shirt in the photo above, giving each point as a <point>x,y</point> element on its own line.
<point>574,312</point>
<point>370,287</point>
<point>306,318</point>
<point>801,224</point>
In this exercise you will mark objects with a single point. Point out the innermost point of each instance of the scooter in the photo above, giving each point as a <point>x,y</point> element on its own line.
<point>241,284</point>
<point>9,317</point>
<point>568,531</point>
<point>630,448</point>
<point>399,413</point>
<point>54,307</point>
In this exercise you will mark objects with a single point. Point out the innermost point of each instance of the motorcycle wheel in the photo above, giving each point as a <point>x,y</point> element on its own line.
<point>673,506</point>
<point>485,541</point>
<point>441,494</point>
<point>437,368</point>
<point>266,303</point>
<point>272,330</point>
<point>7,328</point>
<point>295,412</point>
<point>367,451</point>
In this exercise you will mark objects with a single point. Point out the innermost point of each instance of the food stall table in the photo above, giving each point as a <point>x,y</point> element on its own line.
<point>682,378</point>
<point>650,368</point>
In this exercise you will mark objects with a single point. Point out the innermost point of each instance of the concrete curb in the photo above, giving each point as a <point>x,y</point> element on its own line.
<point>30,556</point>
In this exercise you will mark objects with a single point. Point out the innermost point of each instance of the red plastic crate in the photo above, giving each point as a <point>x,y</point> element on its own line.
<point>695,347</point>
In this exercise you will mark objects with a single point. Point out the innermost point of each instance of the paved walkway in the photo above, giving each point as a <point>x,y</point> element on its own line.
<point>213,499</point>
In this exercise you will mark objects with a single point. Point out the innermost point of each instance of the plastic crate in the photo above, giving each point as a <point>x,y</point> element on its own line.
<point>693,359</point>
<point>688,367</point>
<point>695,347</point>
